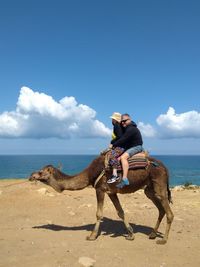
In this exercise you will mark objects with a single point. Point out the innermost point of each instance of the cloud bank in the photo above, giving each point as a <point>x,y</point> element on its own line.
<point>38,115</point>
<point>182,125</point>
<point>172,125</point>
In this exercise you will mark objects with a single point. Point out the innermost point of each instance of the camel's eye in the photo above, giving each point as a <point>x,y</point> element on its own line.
<point>49,170</point>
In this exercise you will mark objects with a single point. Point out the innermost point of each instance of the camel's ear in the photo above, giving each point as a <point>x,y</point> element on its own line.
<point>60,166</point>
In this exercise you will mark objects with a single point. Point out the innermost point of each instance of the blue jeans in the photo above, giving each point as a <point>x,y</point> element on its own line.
<point>134,150</point>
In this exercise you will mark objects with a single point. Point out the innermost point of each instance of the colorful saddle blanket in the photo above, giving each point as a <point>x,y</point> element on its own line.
<point>137,161</point>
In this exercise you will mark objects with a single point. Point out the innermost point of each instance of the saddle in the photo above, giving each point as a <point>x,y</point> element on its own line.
<point>137,161</point>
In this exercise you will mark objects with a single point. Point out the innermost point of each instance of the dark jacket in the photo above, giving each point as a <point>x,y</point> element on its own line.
<point>118,132</point>
<point>131,137</point>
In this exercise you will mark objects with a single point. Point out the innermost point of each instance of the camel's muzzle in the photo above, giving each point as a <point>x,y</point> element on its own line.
<point>33,177</point>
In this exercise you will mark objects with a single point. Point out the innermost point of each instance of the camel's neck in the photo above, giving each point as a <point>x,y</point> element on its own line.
<point>67,182</point>
<point>62,181</point>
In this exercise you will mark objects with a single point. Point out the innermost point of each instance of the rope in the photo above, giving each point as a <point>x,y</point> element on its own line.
<point>106,164</point>
<point>99,178</point>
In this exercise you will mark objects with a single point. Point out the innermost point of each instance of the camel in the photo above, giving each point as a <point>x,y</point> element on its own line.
<point>153,179</point>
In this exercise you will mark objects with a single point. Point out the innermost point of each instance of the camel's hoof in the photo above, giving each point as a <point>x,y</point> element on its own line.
<point>91,238</point>
<point>161,242</point>
<point>130,237</point>
<point>152,235</point>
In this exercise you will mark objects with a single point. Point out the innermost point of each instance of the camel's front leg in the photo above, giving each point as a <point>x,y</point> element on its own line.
<point>115,200</point>
<point>100,202</point>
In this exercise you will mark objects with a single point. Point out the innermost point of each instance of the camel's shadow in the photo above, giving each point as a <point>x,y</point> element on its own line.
<point>114,228</point>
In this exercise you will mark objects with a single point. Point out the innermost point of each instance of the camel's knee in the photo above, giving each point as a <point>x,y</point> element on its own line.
<point>170,217</point>
<point>99,216</point>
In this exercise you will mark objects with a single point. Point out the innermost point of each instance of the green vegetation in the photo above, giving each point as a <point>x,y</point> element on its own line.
<point>187,184</point>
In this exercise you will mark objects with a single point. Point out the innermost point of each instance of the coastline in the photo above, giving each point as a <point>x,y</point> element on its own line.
<point>182,169</point>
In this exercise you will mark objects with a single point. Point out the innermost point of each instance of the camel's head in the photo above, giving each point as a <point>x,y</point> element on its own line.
<point>43,175</point>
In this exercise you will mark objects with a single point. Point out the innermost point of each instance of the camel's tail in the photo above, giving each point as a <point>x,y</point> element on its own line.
<point>169,195</point>
<point>168,189</point>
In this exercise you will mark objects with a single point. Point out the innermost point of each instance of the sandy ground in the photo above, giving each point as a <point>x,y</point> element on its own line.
<point>42,228</point>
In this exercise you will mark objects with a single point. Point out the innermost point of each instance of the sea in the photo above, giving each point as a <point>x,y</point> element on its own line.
<point>182,169</point>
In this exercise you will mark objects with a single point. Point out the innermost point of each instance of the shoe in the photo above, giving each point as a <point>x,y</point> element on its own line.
<point>123,183</point>
<point>113,179</point>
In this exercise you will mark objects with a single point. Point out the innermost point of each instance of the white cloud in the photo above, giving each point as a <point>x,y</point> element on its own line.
<point>38,115</point>
<point>172,125</point>
<point>184,125</point>
<point>147,130</point>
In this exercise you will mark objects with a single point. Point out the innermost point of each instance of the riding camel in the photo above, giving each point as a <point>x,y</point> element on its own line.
<point>153,179</point>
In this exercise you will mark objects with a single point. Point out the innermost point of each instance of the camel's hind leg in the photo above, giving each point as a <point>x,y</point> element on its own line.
<point>115,200</point>
<point>151,195</point>
<point>162,203</point>
<point>170,216</point>
<point>100,202</point>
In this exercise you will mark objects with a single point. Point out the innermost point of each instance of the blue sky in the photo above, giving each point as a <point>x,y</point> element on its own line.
<point>66,66</point>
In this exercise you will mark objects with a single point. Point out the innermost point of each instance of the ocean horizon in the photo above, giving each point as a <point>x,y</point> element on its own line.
<point>182,168</point>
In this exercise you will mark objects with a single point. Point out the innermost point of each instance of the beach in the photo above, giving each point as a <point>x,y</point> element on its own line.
<point>43,228</point>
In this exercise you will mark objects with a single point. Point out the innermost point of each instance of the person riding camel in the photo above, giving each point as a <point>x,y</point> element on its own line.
<point>131,141</point>
<point>115,151</point>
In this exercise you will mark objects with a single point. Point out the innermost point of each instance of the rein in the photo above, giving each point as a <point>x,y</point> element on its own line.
<point>99,178</point>
<point>106,163</point>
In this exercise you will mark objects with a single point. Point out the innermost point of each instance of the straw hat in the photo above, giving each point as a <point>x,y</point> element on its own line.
<point>116,116</point>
